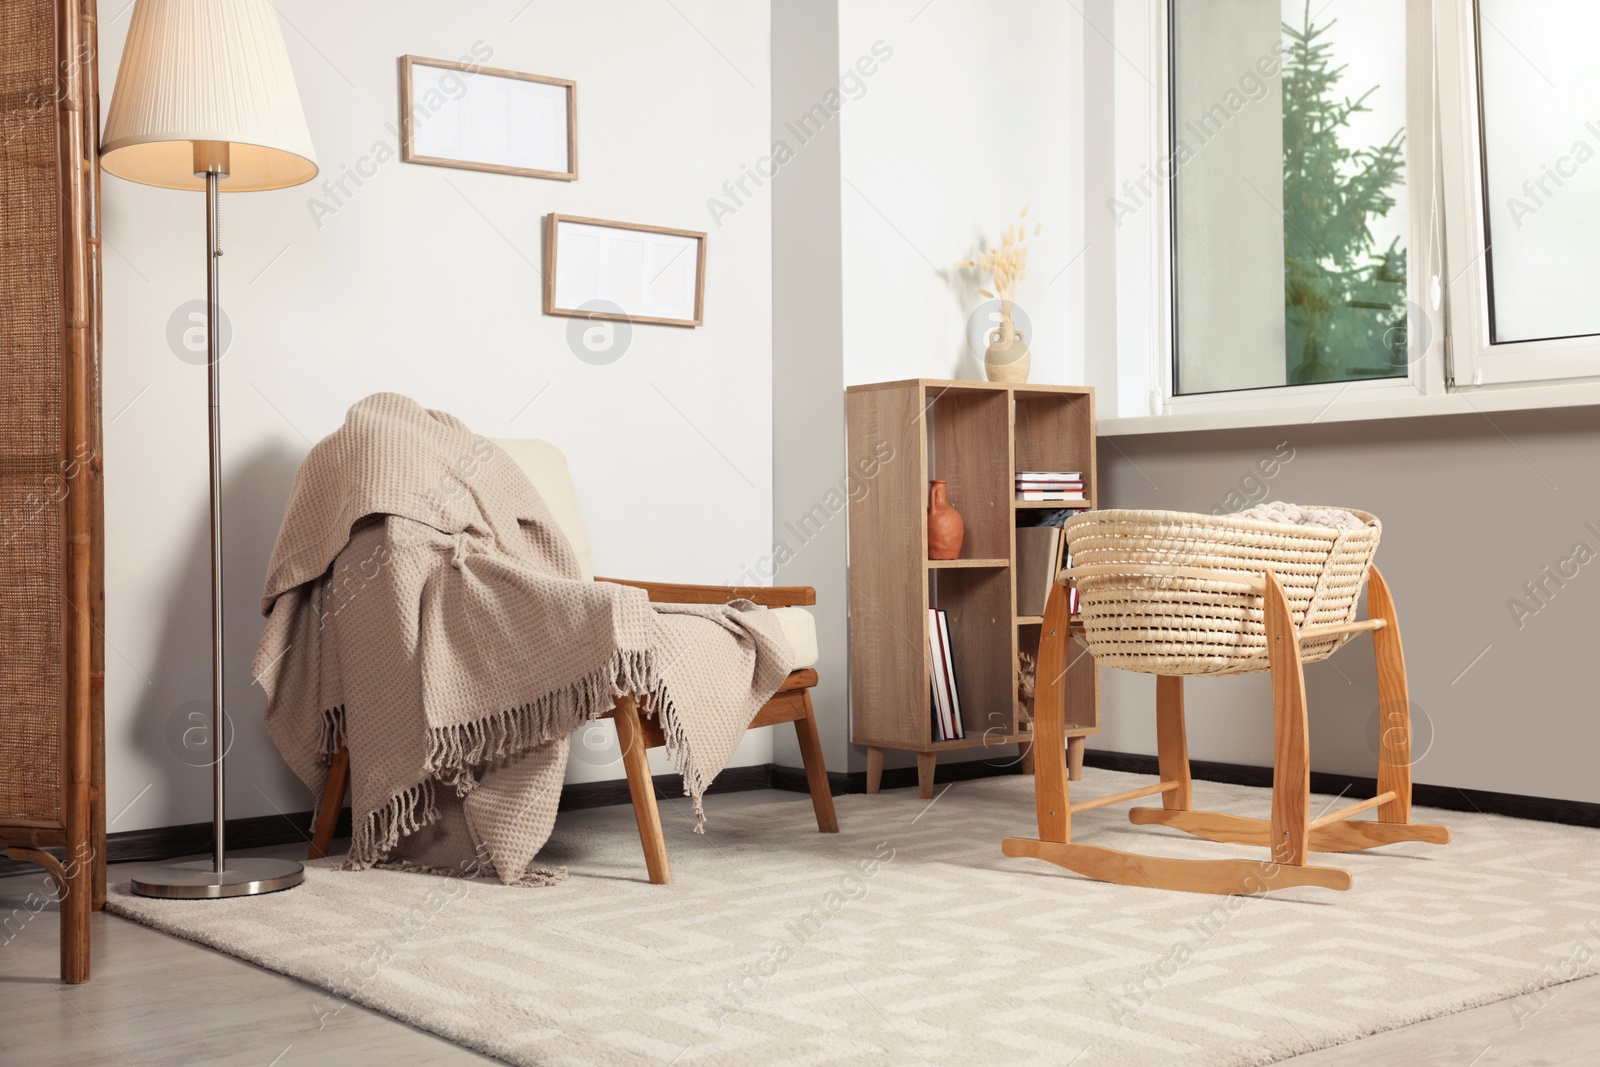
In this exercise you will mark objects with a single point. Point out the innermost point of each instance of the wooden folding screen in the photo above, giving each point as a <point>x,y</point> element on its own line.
<point>52,737</point>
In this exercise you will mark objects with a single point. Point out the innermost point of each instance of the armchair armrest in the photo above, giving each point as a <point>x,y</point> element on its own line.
<point>772,596</point>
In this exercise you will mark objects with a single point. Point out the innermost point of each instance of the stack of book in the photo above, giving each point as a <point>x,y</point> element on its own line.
<point>946,702</point>
<point>1050,485</point>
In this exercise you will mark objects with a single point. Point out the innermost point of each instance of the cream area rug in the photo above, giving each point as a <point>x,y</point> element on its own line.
<point>909,938</point>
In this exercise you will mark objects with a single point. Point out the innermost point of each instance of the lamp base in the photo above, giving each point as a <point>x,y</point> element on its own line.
<point>199,880</point>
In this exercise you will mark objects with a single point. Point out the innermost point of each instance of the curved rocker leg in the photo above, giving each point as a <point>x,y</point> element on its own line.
<point>1052,801</point>
<point>1054,807</point>
<point>1394,704</point>
<point>1344,836</point>
<point>1394,824</point>
<point>1245,877</point>
<point>1291,747</point>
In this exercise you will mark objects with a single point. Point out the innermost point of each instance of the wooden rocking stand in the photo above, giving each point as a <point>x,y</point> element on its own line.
<point>1292,832</point>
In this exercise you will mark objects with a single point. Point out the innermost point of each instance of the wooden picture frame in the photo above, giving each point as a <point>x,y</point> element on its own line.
<point>653,305</point>
<point>446,117</point>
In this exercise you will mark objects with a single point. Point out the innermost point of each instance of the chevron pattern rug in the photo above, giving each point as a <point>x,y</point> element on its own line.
<point>908,938</point>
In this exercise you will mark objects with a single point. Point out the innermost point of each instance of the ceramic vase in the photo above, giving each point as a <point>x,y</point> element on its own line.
<point>1007,358</point>
<point>945,528</point>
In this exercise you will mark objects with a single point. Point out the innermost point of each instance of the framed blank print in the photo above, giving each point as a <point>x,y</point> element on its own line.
<point>480,118</point>
<point>623,270</point>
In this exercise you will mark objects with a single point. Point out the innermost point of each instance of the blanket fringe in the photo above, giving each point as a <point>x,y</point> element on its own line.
<point>456,752</point>
<point>332,738</point>
<point>658,700</point>
<point>405,813</point>
<point>531,878</point>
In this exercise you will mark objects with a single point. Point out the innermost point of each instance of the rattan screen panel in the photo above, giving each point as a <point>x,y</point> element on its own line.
<point>31,397</point>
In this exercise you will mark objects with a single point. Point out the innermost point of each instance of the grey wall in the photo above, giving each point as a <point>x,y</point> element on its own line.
<point>1473,508</point>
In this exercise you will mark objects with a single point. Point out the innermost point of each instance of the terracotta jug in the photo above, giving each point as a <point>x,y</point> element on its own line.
<point>945,528</point>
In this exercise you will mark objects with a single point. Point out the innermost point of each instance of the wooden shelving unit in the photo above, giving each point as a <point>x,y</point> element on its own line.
<point>975,436</point>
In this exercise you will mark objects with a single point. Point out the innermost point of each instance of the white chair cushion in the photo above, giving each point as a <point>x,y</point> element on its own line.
<point>801,629</point>
<point>546,468</point>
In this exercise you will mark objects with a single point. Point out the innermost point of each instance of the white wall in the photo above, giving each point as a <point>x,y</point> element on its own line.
<point>937,124</point>
<point>424,281</point>
<point>977,114</point>
<point>807,354</point>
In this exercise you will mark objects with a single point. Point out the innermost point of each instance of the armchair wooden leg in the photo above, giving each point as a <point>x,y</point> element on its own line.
<point>874,769</point>
<point>642,789</point>
<point>328,807</point>
<point>805,729</point>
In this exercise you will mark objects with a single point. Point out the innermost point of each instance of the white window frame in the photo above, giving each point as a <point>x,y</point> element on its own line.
<point>1476,359</point>
<point>1458,369</point>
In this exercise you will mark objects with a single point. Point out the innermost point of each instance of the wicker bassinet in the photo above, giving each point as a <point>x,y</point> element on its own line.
<point>1190,600</point>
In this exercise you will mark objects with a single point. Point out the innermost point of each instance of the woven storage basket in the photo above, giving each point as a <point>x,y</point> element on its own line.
<point>1156,622</point>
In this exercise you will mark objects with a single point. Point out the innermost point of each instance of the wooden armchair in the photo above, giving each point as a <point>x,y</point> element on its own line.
<point>546,467</point>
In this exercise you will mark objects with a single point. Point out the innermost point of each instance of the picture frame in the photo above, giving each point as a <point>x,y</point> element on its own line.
<point>650,274</point>
<point>456,114</point>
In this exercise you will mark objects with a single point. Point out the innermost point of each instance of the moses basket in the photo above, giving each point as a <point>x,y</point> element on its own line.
<point>1174,593</point>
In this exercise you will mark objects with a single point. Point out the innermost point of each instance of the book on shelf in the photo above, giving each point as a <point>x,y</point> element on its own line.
<point>1051,494</point>
<point>1050,476</point>
<point>1038,549</point>
<point>958,729</point>
<point>945,702</point>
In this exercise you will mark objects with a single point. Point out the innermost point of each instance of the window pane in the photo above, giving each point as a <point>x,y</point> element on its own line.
<point>1290,204</point>
<point>1541,132</point>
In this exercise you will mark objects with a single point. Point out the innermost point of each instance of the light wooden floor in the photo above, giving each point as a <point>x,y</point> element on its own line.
<point>156,999</point>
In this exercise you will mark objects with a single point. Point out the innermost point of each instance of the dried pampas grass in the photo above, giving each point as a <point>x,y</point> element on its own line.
<point>1006,264</point>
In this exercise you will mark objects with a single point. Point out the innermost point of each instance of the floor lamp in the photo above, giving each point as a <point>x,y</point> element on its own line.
<point>206,100</point>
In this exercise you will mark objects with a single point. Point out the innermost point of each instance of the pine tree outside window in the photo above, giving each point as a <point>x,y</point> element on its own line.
<point>1360,209</point>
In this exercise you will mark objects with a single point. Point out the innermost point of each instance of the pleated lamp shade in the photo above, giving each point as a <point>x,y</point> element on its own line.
<point>207,70</point>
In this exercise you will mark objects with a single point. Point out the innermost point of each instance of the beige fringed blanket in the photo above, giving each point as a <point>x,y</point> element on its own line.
<point>424,608</point>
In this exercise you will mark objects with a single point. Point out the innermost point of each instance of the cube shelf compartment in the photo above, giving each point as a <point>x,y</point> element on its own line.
<point>974,436</point>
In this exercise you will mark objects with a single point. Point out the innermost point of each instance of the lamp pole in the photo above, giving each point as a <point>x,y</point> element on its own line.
<point>215,171</point>
<point>217,877</point>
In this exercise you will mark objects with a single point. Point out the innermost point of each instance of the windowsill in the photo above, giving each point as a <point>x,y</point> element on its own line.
<point>1356,406</point>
